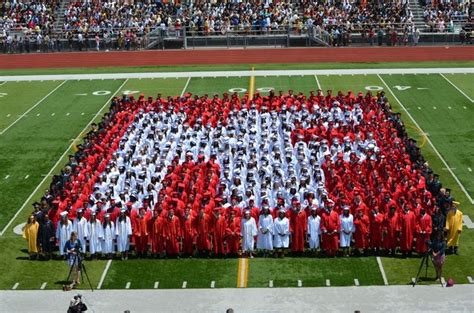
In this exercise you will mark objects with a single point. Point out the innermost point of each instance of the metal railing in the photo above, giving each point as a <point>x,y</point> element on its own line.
<point>193,39</point>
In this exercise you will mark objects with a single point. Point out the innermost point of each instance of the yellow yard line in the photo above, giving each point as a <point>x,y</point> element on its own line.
<point>242,273</point>
<point>251,86</point>
<point>239,271</point>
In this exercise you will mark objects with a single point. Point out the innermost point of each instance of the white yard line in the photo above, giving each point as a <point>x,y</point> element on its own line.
<point>213,284</point>
<point>300,283</point>
<point>127,286</point>
<point>356,282</point>
<point>3,83</point>
<point>467,221</point>
<point>30,109</point>
<point>458,89</point>
<point>382,271</point>
<point>60,160</point>
<point>104,274</point>
<point>15,286</point>
<point>186,86</point>
<point>469,70</point>
<point>185,284</point>
<point>429,141</point>
<point>270,284</point>
<point>317,81</point>
<point>156,285</point>
<point>328,283</point>
<point>43,285</point>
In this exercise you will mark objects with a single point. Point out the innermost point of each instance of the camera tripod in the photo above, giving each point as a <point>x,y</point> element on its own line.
<point>78,260</point>
<point>424,262</point>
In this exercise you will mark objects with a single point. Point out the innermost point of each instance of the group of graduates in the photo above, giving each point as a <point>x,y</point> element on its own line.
<point>223,176</point>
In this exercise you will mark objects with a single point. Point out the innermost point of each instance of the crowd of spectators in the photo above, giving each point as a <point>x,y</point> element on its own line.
<point>113,24</point>
<point>441,17</point>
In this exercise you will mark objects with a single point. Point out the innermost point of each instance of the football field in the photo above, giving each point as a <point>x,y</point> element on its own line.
<point>42,119</point>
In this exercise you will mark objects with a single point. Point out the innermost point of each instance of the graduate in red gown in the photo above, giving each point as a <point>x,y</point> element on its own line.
<point>233,233</point>
<point>188,228</point>
<point>172,234</point>
<point>217,231</point>
<point>391,229</point>
<point>158,247</point>
<point>298,227</point>
<point>408,229</point>
<point>140,231</point>
<point>330,228</point>
<point>202,229</point>
<point>376,223</point>
<point>423,231</point>
<point>361,235</point>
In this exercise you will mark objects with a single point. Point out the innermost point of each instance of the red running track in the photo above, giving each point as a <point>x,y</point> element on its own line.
<point>247,56</point>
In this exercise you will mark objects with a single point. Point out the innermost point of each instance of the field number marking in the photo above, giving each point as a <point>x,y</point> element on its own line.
<point>242,90</point>
<point>373,88</point>
<point>102,92</point>
<point>401,88</point>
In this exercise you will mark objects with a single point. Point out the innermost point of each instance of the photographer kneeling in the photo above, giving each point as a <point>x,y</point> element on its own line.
<point>438,253</point>
<point>74,258</point>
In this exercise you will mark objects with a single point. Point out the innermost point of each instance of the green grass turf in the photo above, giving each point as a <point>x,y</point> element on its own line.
<point>303,84</point>
<point>465,82</point>
<point>11,110</point>
<point>313,272</point>
<point>33,145</point>
<point>198,273</point>
<point>32,274</point>
<point>234,67</point>
<point>151,87</point>
<point>448,129</point>
<point>220,85</point>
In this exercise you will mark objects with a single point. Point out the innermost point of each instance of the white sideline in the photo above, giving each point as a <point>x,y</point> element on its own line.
<point>382,271</point>
<point>458,89</point>
<point>248,73</point>
<point>429,141</point>
<point>59,161</point>
<point>34,106</point>
<point>104,273</point>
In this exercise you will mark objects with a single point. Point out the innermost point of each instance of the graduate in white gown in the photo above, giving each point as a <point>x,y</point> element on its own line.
<point>248,232</point>
<point>108,236</point>
<point>314,229</point>
<point>79,226</point>
<point>347,228</point>
<point>95,235</point>
<point>123,230</point>
<point>265,231</point>
<point>63,232</point>
<point>281,233</point>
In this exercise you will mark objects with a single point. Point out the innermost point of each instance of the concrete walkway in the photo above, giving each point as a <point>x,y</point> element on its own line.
<point>459,298</point>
